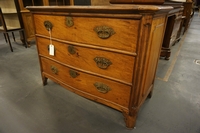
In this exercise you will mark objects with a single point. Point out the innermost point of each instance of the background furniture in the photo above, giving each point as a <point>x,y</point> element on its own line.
<point>187,13</point>
<point>106,54</point>
<point>173,29</point>
<point>26,16</point>
<point>100,2</point>
<point>157,2</point>
<point>11,21</point>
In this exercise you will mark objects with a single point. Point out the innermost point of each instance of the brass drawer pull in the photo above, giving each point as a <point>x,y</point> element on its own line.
<point>102,87</point>
<point>73,73</point>
<point>48,25</point>
<point>102,62</point>
<point>54,69</point>
<point>69,21</point>
<point>104,32</point>
<point>71,49</point>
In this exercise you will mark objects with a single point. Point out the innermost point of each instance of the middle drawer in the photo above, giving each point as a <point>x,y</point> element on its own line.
<point>114,65</point>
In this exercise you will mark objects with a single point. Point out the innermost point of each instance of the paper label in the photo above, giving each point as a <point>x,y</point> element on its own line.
<point>51,50</point>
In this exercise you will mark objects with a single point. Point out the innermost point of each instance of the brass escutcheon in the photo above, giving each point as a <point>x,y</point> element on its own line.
<point>71,49</point>
<point>102,62</point>
<point>73,73</point>
<point>103,88</point>
<point>104,32</point>
<point>69,21</point>
<point>54,69</point>
<point>48,25</point>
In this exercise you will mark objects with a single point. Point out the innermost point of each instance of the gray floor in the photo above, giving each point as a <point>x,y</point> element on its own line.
<point>28,107</point>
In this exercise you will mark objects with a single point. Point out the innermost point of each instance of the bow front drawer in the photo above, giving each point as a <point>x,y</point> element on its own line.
<point>101,88</point>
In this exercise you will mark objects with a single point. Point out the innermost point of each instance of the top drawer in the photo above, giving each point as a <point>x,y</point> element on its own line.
<point>121,34</point>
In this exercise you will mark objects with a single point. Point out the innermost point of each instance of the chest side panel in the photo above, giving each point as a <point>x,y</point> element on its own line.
<point>153,54</point>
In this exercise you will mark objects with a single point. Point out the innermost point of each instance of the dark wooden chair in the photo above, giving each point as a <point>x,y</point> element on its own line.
<point>7,29</point>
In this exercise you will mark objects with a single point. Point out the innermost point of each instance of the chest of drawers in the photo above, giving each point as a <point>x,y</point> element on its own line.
<point>108,54</point>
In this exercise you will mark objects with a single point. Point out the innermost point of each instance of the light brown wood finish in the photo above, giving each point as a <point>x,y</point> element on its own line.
<point>134,50</point>
<point>118,94</point>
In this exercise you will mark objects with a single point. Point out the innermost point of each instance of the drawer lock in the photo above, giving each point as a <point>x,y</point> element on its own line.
<point>73,73</point>
<point>71,49</point>
<point>48,25</point>
<point>54,69</point>
<point>69,21</point>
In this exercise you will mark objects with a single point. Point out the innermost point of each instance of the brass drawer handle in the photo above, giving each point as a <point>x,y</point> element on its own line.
<point>102,62</point>
<point>69,21</point>
<point>48,25</point>
<point>54,69</point>
<point>103,88</point>
<point>73,73</point>
<point>104,32</point>
<point>71,49</point>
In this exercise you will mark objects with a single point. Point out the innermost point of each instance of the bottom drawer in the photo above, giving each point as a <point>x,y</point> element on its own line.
<point>106,90</point>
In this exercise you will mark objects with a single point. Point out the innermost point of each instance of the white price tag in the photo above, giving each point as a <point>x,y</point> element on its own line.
<point>51,50</point>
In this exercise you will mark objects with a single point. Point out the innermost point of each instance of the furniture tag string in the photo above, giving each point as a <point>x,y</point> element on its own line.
<point>50,39</point>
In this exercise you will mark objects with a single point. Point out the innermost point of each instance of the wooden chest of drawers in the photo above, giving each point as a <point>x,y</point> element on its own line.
<point>108,54</point>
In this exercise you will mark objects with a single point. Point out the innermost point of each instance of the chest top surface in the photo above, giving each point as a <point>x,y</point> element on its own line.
<point>114,9</point>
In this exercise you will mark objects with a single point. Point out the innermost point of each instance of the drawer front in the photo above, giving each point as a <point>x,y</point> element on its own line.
<point>118,66</point>
<point>105,89</point>
<point>119,34</point>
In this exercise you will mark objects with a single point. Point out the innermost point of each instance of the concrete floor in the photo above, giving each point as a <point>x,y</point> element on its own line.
<point>26,106</point>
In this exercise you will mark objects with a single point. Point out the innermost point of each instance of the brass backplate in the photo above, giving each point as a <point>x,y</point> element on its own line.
<point>104,32</point>
<point>102,62</point>
<point>103,88</point>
